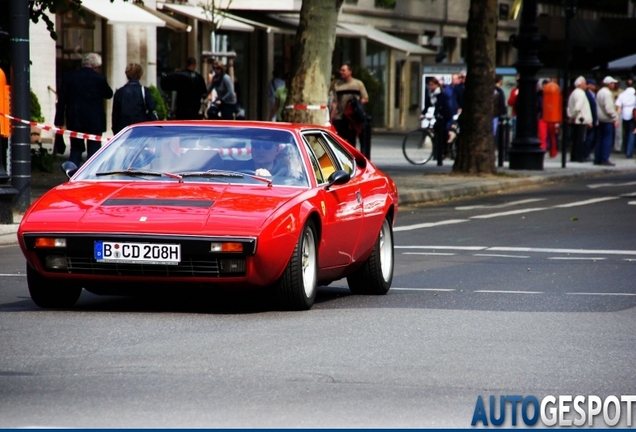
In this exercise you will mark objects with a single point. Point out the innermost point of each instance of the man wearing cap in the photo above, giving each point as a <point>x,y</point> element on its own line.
<point>625,103</point>
<point>607,122</point>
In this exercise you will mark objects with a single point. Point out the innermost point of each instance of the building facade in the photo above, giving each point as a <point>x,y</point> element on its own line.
<point>392,45</point>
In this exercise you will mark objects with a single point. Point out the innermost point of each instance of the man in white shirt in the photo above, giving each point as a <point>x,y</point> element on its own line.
<point>580,119</point>
<point>625,104</point>
<point>607,122</point>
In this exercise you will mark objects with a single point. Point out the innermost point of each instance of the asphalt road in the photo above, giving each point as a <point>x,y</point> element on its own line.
<point>531,293</point>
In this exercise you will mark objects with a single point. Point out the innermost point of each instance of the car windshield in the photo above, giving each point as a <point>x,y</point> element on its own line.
<point>200,153</point>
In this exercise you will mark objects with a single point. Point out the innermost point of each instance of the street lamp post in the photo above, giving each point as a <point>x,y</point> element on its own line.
<point>570,11</point>
<point>526,152</point>
<point>20,102</point>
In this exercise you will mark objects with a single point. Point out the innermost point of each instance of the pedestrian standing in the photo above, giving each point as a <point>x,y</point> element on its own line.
<point>80,105</point>
<point>224,88</point>
<point>276,82</point>
<point>625,104</point>
<point>580,118</point>
<point>280,96</point>
<point>499,104</point>
<point>607,122</point>
<point>592,131</point>
<point>133,103</point>
<point>190,88</point>
<point>341,92</point>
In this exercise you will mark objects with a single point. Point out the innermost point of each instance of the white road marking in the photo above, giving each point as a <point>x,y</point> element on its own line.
<point>501,256</point>
<point>423,289</point>
<point>601,294</point>
<point>586,202</point>
<point>631,202</point>
<point>599,185</point>
<point>510,204</point>
<point>509,213</point>
<point>629,194</point>
<point>630,259</point>
<point>428,225</point>
<point>508,292</point>
<point>428,253</point>
<point>12,275</point>
<point>563,251</point>
<point>577,258</point>
<point>468,248</point>
<point>524,249</point>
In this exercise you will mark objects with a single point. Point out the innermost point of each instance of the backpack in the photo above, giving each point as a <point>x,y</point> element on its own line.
<point>354,111</point>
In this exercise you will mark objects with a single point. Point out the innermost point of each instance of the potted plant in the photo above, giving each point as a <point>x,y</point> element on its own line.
<point>41,159</point>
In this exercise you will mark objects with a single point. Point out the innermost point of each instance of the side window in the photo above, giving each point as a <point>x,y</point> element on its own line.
<point>320,148</point>
<point>346,161</point>
<point>314,162</point>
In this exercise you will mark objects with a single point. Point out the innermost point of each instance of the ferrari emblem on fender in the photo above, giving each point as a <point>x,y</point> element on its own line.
<point>324,209</point>
<point>143,219</point>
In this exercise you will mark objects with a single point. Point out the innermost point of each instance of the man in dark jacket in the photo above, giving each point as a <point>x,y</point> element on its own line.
<point>133,103</point>
<point>80,105</point>
<point>439,99</point>
<point>190,88</point>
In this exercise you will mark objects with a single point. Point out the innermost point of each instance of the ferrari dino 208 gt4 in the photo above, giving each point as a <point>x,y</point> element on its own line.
<point>234,205</point>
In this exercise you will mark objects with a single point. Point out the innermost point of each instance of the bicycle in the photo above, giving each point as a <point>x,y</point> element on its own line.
<point>418,146</point>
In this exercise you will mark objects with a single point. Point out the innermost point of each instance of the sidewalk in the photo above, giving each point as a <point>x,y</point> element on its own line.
<point>416,184</point>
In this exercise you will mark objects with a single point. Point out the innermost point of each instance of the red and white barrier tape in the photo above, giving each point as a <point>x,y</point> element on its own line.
<point>306,107</point>
<point>57,130</point>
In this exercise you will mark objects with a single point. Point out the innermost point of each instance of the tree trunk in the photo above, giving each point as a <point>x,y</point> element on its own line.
<point>311,65</point>
<point>476,150</point>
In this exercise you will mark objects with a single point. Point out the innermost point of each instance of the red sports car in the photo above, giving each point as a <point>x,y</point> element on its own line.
<point>284,207</point>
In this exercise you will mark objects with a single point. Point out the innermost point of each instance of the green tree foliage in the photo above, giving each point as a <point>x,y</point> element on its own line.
<point>162,111</point>
<point>36,109</point>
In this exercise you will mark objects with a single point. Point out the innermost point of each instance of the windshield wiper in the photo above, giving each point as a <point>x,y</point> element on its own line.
<point>140,173</point>
<point>223,173</point>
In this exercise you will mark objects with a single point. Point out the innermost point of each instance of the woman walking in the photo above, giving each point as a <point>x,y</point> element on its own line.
<point>225,96</point>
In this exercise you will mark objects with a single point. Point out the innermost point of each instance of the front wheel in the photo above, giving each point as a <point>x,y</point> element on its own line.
<point>296,289</point>
<point>50,294</point>
<point>418,146</point>
<point>376,275</point>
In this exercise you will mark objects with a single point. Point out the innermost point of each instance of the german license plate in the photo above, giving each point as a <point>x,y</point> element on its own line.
<point>137,253</point>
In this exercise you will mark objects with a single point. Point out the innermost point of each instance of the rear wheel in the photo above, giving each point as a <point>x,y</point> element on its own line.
<point>376,275</point>
<point>418,146</point>
<point>296,288</point>
<point>50,294</point>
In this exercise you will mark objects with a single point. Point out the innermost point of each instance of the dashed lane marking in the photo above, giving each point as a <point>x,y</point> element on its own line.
<point>586,202</point>
<point>424,289</point>
<point>485,249</point>
<point>501,256</point>
<point>577,258</point>
<point>467,248</point>
<point>12,275</point>
<point>509,213</point>
<point>429,253</point>
<point>600,294</point>
<point>510,204</point>
<point>600,185</point>
<point>429,225</point>
<point>508,292</point>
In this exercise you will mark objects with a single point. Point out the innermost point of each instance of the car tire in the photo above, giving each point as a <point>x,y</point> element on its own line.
<point>376,274</point>
<point>50,294</point>
<point>296,289</point>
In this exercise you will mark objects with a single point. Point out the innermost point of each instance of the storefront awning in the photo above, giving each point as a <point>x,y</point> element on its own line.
<point>120,12</point>
<point>171,23</point>
<point>292,20</point>
<point>223,20</point>
<point>386,39</point>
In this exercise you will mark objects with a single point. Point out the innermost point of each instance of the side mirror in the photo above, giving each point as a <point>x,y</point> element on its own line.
<point>69,168</point>
<point>337,178</point>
